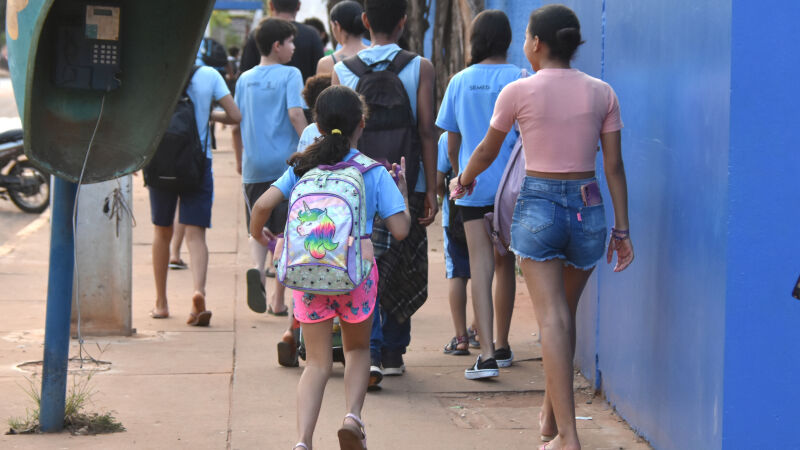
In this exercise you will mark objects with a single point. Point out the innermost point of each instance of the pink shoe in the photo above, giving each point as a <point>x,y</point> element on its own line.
<point>352,437</point>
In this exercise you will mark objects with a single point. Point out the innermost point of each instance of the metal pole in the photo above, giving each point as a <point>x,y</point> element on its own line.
<point>59,305</point>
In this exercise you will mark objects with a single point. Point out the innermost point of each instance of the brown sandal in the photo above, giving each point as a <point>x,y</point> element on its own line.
<point>201,319</point>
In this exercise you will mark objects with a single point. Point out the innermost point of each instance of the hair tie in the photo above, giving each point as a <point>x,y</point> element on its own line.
<point>336,131</point>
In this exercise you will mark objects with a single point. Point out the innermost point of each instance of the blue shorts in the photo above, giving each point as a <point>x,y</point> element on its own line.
<point>195,207</point>
<point>551,222</point>
<point>456,257</point>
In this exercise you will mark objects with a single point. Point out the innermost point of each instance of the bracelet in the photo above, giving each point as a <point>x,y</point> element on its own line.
<point>620,235</point>
<point>469,188</point>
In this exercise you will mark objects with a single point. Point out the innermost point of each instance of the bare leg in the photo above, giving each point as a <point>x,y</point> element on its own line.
<point>161,238</point>
<point>482,271</point>
<point>457,293</point>
<point>177,240</point>
<point>258,253</point>
<point>311,386</point>
<point>278,302</point>
<point>574,283</point>
<point>198,252</point>
<point>355,339</point>
<point>504,293</point>
<point>545,281</point>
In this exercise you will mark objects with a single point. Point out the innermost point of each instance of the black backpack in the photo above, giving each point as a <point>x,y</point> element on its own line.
<point>391,131</point>
<point>180,161</point>
<point>214,53</point>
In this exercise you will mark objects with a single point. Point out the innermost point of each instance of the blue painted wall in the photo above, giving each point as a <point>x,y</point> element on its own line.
<point>763,322</point>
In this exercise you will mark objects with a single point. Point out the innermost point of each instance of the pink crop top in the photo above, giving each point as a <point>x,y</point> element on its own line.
<point>561,114</point>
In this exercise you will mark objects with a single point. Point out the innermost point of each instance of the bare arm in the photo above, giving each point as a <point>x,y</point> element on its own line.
<point>400,223</point>
<point>325,65</point>
<point>483,156</point>
<point>237,147</point>
<point>618,186</point>
<point>440,187</point>
<point>334,78</point>
<point>427,134</point>
<point>260,213</point>
<point>298,119</point>
<point>453,148</point>
<point>230,114</point>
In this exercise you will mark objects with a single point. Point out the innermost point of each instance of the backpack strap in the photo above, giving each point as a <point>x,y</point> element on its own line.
<point>364,163</point>
<point>400,61</point>
<point>357,66</point>
<point>189,80</point>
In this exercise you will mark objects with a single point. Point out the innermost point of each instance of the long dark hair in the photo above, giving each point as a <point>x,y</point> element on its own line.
<point>338,112</point>
<point>559,28</point>
<point>490,36</point>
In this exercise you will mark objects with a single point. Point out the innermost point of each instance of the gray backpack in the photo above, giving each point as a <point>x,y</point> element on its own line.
<point>498,223</point>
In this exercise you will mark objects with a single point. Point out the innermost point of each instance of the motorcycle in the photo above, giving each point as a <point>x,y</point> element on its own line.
<point>20,180</point>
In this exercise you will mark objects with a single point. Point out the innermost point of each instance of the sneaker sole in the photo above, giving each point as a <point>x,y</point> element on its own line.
<point>375,378</point>
<point>393,371</point>
<point>505,362</point>
<point>481,373</point>
<point>256,299</point>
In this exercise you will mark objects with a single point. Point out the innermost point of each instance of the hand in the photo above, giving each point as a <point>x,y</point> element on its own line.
<point>455,192</point>
<point>624,249</point>
<point>398,172</point>
<point>263,237</point>
<point>431,208</point>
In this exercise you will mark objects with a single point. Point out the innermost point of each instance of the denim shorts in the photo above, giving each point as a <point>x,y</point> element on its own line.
<point>550,222</point>
<point>456,257</point>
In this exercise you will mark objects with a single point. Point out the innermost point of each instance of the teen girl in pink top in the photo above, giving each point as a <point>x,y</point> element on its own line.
<point>559,226</point>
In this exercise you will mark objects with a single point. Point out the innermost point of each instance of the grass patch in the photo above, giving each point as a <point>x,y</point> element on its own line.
<point>76,419</point>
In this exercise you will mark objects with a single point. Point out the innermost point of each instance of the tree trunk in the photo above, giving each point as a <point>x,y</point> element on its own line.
<point>451,39</point>
<point>417,24</point>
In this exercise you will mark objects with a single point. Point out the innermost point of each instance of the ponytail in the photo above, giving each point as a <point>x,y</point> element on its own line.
<point>328,149</point>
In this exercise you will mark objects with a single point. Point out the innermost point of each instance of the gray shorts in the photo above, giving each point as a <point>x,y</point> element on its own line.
<point>277,221</point>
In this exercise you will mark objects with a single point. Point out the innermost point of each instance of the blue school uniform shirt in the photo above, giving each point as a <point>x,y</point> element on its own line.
<point>380,56</point>
<point>467,108</point>
<point>207,86</point>
<point>382,194</point>
<point>264,95</point>
<point>310,133</point>
<point>443,165</point>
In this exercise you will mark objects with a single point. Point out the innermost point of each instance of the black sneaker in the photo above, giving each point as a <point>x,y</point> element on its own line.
<point>393,363</point>
<point>482,369</point>
<point>504,356</point>
<point>375,376</point>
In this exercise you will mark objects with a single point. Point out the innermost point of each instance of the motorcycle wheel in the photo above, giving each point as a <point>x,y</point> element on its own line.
<point>32,199</point>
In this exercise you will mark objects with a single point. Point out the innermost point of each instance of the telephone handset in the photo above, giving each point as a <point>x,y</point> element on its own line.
<point>88,50</point>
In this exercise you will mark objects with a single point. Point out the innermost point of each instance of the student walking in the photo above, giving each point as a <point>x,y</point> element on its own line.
<point>456,257</point>
<point>465,113</point>
<point>403,265</point>
<point>205,87</point>
<point>340,117</point>
<point>559,226</point>
<point>348,29</point>
<point>272,120</point>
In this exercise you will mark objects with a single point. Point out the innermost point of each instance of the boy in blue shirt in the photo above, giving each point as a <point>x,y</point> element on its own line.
<point>272,120</point>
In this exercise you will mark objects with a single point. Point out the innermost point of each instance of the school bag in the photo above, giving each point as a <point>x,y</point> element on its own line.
<point>498,223</point>
<point>179,162</point>
<point>326,249</point>
<point>391,131</point>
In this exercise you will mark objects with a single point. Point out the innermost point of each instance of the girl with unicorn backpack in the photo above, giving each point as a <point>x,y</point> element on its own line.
<point>327,259</point>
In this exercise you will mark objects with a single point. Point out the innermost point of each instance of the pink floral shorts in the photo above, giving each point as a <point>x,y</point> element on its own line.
<point>354,307</point>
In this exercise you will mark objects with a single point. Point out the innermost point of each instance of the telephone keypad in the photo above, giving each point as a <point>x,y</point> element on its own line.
<point>105,54</point>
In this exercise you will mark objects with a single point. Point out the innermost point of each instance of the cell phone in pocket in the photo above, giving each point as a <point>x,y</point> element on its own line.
<point>796,290</point>
<point>590,193</point>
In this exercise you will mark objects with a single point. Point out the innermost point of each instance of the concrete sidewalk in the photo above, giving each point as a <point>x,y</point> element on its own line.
<point>173,386</point>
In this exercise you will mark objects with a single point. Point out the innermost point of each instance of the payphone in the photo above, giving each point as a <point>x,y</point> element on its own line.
<point>88,53</point>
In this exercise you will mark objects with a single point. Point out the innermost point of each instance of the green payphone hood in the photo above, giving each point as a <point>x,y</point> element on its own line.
<point>158,45</point>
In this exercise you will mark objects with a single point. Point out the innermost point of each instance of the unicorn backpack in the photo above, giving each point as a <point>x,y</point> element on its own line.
<point>326,249</point>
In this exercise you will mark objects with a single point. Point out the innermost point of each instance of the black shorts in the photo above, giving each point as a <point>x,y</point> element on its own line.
<point>195,206</point>
<point>277,220</point>
<point>474,212</point>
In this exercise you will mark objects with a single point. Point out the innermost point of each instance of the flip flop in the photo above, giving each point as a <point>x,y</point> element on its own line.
<point>352,437</point>
<point>178,265</point>
<point>283,313</point>
<point>155,315</point>
<point>201,319</point>
<point>256,297</point>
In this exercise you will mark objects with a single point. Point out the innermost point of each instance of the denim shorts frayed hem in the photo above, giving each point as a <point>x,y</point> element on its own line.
<point>552,257</point>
